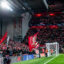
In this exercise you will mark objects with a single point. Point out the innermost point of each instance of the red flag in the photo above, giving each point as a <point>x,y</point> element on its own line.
<point>3,38</point>
<point>32,41</point>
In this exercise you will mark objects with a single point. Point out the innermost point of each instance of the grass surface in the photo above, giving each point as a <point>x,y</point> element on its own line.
<point>57,60</point>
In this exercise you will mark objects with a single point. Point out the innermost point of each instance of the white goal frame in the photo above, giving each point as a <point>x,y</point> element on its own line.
<point>56,48</point>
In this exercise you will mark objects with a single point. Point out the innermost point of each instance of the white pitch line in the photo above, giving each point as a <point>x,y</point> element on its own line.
<point>51,59</point>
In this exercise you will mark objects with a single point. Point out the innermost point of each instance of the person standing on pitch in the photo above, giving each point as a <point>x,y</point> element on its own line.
<point>46,51</point>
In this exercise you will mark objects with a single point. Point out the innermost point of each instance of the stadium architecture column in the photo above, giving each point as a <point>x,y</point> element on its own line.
<point>46,4</point>
<point>0,21</point>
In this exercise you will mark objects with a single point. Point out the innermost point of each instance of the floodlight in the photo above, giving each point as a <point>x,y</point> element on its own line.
<point>5,5</point>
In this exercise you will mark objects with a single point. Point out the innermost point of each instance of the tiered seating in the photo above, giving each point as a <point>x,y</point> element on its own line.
<point>13,48</point>
<point>51,35</point>
<point>47,35</point>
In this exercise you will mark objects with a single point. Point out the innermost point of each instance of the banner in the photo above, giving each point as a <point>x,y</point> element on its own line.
<point>19,58</point>
<point>3,38</point>
<point>28,57</point>
<point>32,41</point>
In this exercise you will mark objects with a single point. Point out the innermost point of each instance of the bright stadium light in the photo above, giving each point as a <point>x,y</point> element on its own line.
<point>5,5</point>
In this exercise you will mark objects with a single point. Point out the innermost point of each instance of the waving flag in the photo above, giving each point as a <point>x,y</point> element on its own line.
<point>32,41</point>
<point>3,38</point>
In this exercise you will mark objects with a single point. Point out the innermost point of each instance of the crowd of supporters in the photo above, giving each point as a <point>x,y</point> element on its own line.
<point>47,35</point>
<point>51,35</point>
<point>43,36</point>
<point>13,48</point>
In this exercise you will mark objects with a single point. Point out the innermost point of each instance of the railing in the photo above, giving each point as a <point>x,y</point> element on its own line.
<point>15,59</point>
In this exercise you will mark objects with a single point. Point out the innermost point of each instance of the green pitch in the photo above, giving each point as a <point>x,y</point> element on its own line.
<point>57,60</point>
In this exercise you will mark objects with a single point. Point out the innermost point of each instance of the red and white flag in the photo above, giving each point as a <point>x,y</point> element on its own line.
<point>32,41</point>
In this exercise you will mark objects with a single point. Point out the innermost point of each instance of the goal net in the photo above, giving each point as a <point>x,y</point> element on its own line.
<point>53,48</point>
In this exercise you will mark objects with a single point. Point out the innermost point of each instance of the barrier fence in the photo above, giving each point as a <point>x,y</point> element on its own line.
<point>1,60</point>
<point>24,57</point>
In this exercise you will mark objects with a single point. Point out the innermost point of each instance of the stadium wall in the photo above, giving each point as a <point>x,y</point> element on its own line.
<point>8,25</point>
<point>25,22</point>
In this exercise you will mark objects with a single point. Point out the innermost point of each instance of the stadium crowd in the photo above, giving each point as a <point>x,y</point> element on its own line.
<point>47,35</point>
<point>51,35</point>
<point>13,48</point>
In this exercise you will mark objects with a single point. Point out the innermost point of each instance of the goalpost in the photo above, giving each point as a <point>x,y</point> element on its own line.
<point>53,48</point>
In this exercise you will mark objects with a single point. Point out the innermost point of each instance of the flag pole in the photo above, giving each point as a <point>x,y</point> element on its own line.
<point>8,38</point>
